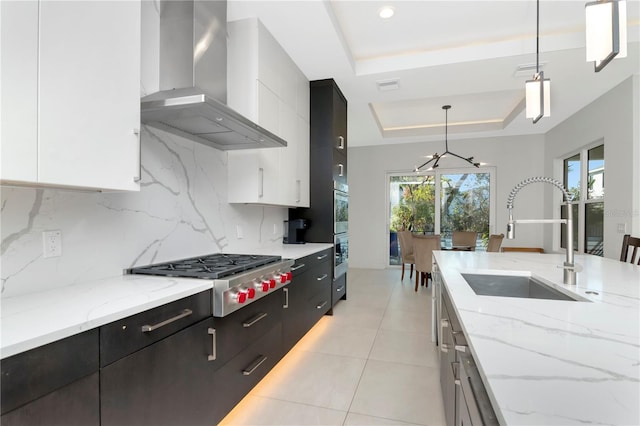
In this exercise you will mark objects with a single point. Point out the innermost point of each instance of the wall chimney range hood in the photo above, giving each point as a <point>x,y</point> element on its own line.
<point>192,99</point>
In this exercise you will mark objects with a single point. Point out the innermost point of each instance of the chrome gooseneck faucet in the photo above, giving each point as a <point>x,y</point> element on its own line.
<point>569,266</point>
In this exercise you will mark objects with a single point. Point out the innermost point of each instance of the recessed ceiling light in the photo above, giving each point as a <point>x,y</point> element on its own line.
<point>386,12</point>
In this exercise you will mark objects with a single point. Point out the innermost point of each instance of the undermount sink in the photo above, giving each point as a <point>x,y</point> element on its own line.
<point>514,286</point>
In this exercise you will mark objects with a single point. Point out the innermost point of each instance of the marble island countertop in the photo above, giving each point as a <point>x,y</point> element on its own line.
<point>550,361</point>
<point>36,319</point>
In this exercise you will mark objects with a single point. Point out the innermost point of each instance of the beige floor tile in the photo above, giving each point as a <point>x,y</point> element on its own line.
<point>405,347</point>
<point>354,419</point>
<point>313,378</point>
<point>400,392</point>
<point>347,314</point>
<point>338,338</point>
<point>256,410</point>
<point>411,321</point>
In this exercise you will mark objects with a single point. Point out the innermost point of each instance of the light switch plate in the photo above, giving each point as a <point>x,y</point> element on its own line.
<point>622,228</point>
<point>239,234</point>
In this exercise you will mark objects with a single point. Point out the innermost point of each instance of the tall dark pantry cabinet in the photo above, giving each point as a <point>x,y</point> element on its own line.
<point>328,211</point>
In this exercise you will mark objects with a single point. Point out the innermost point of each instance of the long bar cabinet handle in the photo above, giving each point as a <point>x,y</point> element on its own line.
<point>257,363</point>
<point>185,313</point>
<point>321,256</point>
<point>286,298</point>
<point>340,142</point>
<point>254,320</point>
<point>322,277</point>
<point>214,349</point>
<point>295,268</point>
<point>322,305</point>
<point>138,178</point>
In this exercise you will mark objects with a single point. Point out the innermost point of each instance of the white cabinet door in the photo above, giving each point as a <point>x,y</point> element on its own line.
<point>253,176</point>
<point>302,163</point>
<point>89,84</point>
<point>19,83</point>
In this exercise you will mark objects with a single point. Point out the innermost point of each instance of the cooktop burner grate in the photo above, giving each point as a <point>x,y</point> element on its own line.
<point>214,266</point>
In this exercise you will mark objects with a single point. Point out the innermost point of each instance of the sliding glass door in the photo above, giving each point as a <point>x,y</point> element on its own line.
<point>462,200</point>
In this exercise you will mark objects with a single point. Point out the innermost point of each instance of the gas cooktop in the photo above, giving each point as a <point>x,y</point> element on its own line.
<point>213,266</point>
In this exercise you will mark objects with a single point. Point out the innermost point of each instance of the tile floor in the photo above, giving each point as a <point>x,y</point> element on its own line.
<point>371,363</point>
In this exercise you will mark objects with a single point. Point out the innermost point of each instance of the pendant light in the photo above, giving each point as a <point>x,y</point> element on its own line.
<point>436,157</point>
<point>538,90</point>
<point>606,31</point>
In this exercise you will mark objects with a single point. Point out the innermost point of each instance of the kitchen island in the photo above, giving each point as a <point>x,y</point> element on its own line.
<point>552,361</point>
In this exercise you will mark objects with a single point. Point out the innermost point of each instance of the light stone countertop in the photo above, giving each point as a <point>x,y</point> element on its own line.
<point>36,319</point>
<point>547,361</point>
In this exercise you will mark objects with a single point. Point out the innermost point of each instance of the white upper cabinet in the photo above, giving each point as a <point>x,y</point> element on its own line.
<point>265,85</point>
<point>84,132</point>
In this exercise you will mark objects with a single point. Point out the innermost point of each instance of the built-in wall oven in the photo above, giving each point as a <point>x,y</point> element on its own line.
<point>340,228</point>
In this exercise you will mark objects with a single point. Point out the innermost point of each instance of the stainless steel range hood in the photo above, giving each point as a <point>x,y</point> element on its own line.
<point>193,80</point>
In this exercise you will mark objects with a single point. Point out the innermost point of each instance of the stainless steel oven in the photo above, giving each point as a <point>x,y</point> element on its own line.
<point>340,208</point>
<point>341,254</point>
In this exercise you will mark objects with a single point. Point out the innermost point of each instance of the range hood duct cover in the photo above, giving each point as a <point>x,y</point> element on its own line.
<point>192,99</point>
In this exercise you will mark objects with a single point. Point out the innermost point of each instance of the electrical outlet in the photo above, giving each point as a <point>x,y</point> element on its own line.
<point>275,229</point>
<point>52,243</point>
<point>622,228</point>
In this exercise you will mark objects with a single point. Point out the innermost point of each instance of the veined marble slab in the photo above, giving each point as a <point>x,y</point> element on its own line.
<point>291,251</point>
<point>36,319</point>
<point>547,361</point>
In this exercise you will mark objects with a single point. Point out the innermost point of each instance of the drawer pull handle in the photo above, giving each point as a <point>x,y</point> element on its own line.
<point>322,305</point>
<point>322,256</point>
<point>286,298</point>
<point>214,349</point>
<point>254,320</point>
<point>340,144</point>
<point>322,277</point>
<point>460,348</point>
<point>444,348</point>
<point>444,322</point>
<point>185,313</point>
<point>295,268</point>
<point>254,365</point>
<point>338,290</point>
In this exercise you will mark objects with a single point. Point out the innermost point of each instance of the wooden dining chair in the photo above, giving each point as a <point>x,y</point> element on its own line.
<point>423,247</point>
<point>523,249</point>
<point>464,238</point>
<point>405,238</point>
<point>495,241</point>
<point>627,243</point>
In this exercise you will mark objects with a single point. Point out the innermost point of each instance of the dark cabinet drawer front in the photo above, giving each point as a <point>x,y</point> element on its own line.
<point>319,304</point>
<point>123,337</point>
<point>318,279</point>
<point>245,370</point>
<point>306,263</point>
<point>168,383</point>
<point>339,289</point>
<point>76,404</point>
<point>245,326</point>
<point>32,374</point>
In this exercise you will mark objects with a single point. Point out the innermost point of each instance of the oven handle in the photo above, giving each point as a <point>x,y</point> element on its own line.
<point>254,320</point>
<point>185,313</point>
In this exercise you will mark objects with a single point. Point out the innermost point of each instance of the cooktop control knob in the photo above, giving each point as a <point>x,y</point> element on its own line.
<point>283,278</point>
<point>238,296</point>
<point>251,292</point>
<point>263,286</point>
<point>289,276</point>
<point>272,283</point>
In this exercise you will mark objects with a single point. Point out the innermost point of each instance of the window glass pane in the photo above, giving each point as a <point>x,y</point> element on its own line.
<point>595,178</point>
<point>465,202</point>
<point>572,176</point>
<point>593,228</point>
<point>411,207</point>
<point>563,237</point>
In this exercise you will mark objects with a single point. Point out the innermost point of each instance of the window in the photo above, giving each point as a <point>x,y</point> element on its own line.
<point>440,203</point>
<point>584,179</point>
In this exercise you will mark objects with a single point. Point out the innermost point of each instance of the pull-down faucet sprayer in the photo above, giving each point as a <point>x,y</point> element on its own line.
<point>569,266</point>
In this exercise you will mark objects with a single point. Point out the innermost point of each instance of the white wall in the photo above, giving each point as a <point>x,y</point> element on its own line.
<point>612,119</point>
<point>515,159</point>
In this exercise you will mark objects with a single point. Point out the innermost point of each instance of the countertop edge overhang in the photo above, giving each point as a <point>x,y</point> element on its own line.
<point>36,319</point>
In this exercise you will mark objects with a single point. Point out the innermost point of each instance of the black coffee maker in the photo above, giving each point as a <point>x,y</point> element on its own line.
<point>294,231</point>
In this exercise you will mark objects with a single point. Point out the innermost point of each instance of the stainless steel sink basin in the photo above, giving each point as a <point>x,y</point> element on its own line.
<point>513,286</point>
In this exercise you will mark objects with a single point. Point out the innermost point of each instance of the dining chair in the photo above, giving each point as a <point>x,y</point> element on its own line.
<point>423,247</point>
<point>405,238</point>
<point>627,242</point>
<point>523,249</point>
<point>495,241</point>
<point>464,238</point>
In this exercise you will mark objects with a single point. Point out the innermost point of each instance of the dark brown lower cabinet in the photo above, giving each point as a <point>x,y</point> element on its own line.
<point>171,382</point>
<point>76,404</point>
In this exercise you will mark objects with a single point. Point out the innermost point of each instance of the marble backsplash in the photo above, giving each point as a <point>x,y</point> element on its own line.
<point>180,211</point>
